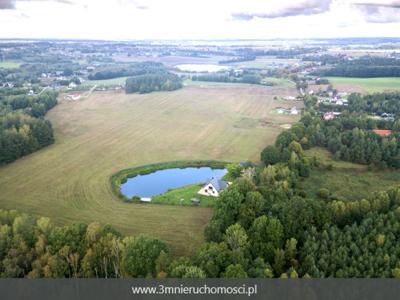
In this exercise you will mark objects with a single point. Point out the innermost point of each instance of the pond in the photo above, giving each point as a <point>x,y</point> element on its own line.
<point>159,182</point>
<point>201,68</point>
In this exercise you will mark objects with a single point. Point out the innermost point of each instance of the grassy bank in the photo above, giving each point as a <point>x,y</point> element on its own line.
<point>122,176</point>
<point>184,196</point>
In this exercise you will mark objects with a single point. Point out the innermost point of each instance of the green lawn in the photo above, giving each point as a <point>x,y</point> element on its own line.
<point>110,131</point>
<point>369,85</point>
<point>10,64</point>
<point>183,196</point>
<point>280,81</point>
<point>347,181</point>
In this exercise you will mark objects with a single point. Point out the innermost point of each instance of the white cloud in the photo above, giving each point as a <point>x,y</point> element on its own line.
<point>189,19</point>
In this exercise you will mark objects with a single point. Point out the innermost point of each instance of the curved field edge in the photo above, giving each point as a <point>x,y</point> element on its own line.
<point>122,176</point>
<point>105,132</point>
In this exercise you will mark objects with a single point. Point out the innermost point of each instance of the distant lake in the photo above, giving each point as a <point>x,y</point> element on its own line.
<point>201,68</point>
<point>159,182</point>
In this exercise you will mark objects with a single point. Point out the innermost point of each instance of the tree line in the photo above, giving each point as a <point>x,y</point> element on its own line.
<point>148,83</point>
<point>23,129</point>
<point>124,70</point>
<point>364,67</point>
<point>246,78</point>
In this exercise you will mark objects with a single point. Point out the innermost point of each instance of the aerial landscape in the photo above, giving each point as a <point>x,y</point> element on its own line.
<point>200,155</point>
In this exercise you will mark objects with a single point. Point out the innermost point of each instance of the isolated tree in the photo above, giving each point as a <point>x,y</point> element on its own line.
<point>270,155</point>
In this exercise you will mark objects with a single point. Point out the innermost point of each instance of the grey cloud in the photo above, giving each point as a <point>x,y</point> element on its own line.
<point>305,7</point>
<point>10,4</point>
<point>7,4</point>
<point>380,12</point>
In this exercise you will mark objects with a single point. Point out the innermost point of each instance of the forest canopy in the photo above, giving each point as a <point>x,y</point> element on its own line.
<point>153,82</point>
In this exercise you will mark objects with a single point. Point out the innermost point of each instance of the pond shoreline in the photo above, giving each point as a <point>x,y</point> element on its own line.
<point>122,176</point>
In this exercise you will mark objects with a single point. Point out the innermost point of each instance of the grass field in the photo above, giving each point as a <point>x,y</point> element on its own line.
<point>108,131</point>
<point>106,82</point>
<point>281,82</point>
<point>10,64</point>
<point>366,85</point>
<point>347,181</point>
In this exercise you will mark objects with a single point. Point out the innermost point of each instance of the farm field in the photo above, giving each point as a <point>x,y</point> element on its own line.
<point>281,82</point>
<point>10,64</point>
<point>109,131</point>
<point>114,81</point>
<point>262,62</point>
<point>365,85</point>
<point>346,180</point>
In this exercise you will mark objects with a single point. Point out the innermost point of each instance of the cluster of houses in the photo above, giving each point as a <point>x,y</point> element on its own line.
<point>339,99</point>
<point>7,85</point>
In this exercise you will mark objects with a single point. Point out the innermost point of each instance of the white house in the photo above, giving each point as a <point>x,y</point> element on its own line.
<point>294,111</point>
<point>214,187</point>
<point>290,98</point>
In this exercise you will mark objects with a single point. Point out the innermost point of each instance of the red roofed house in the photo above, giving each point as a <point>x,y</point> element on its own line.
<point>382,132</point>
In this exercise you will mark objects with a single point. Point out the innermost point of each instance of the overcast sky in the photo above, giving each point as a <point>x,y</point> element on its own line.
<point>198,19</point>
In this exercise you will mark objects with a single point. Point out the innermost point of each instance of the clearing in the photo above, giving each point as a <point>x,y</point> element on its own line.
<point>109,131</point>
<point>346,180</point>
<point>9,64</point>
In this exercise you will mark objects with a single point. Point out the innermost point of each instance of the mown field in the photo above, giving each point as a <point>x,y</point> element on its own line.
<point>365,85</point>
<point>10,64</point>
<point>347,181</point>
<point>108,131</point>
<point>107,82</point>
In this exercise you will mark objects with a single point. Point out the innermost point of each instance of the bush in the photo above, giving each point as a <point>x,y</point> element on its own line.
<point>324,194</point>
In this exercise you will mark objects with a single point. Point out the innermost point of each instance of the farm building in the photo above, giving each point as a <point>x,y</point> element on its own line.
<point>214,187</point>
<point>294,111</point>
<point>290,98</point>
<point>280,110</point>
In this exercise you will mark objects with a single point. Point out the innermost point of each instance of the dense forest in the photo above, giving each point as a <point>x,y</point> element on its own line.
<point>375,103</point>
<point>23,129</point>
<point>162,81</point>
<point>246,78</point>
<point>33,248</point>
<point>365,67</point>
<point>124,70</point>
